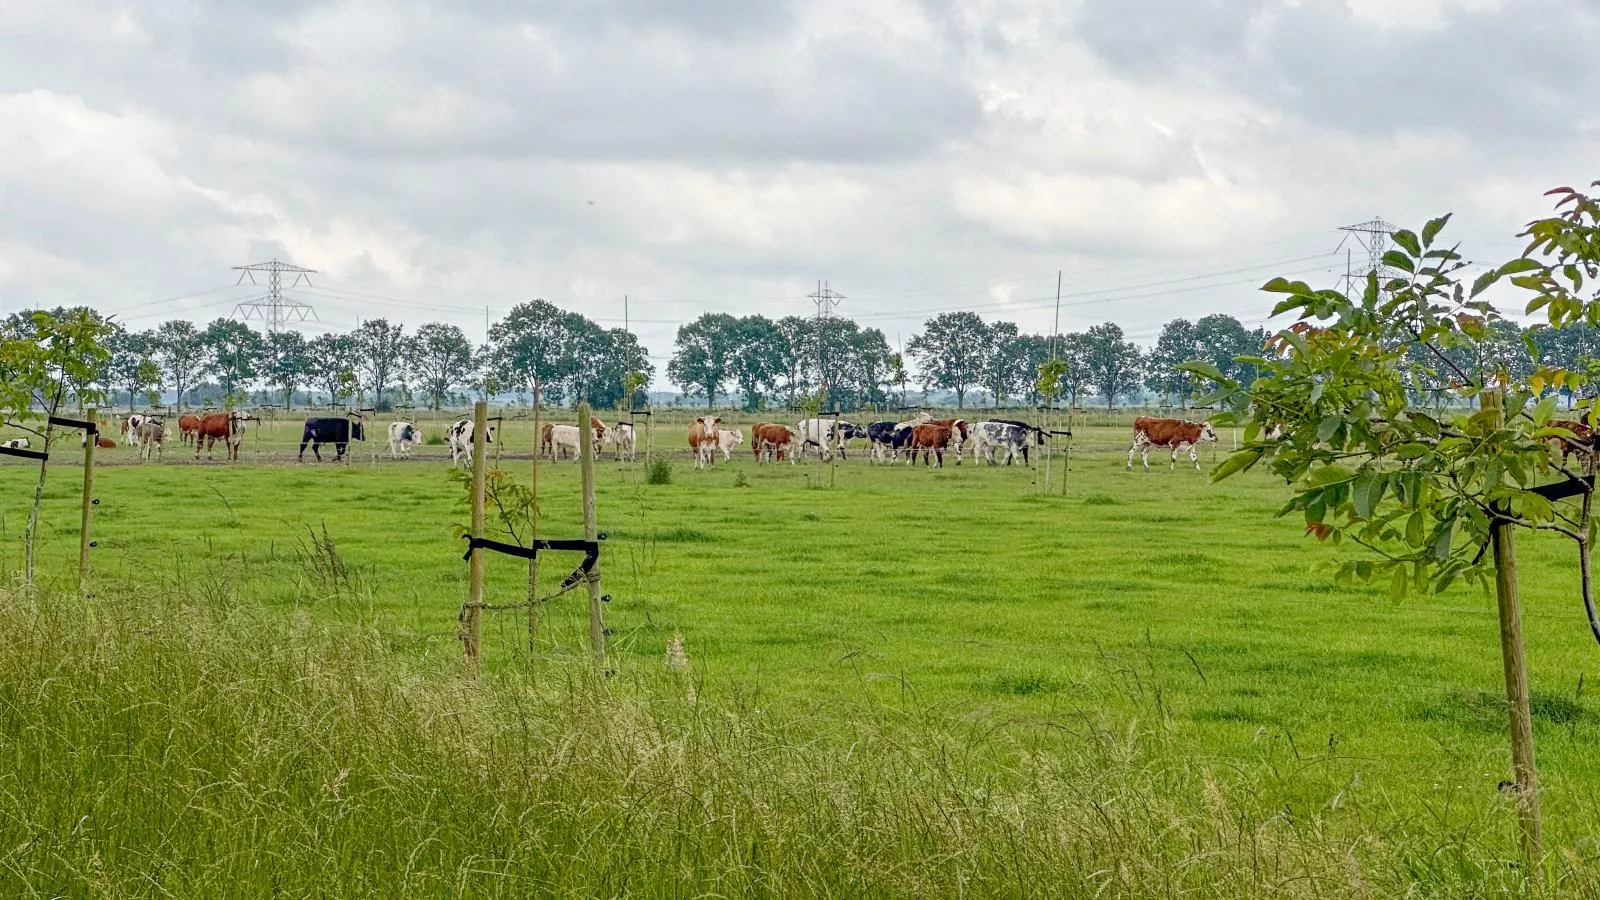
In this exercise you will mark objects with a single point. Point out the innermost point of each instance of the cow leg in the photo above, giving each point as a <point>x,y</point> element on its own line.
<point>1194,456</point>
<point>1131,451</point>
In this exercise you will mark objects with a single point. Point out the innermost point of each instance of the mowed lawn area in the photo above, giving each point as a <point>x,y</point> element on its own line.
<point>1157,601</point>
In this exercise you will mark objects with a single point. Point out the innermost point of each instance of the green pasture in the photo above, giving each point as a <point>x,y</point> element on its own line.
<point>1143,604</point>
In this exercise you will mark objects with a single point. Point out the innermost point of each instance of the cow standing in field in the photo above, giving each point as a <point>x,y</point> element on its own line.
<point>770,441</point>
<point>151,436</point>
<point>960,433</point>
<point>130,429</point>
<point>703,439</point>
<point>883,437</point>
<point>227,427</point>
<point>626,440</point>
<point>820,433</point>
<point>336,430</point>
<point>727,441</point>
<point>401,436</point>
<point>459,438</point>
<point>1149,431</point>
<point>188,428</point>
<point>931,438</point>
<point>1010,438</point>
<point>564,438</point>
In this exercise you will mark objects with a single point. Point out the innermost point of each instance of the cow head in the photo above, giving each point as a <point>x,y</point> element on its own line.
<point>488,434</point>
<point>357,432</point>
<point>1207,433</point>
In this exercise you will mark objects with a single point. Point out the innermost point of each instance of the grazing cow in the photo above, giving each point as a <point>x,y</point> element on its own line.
<point>626,440</point>
<point>931,438</point>
<point>1581,442</point>
<point>459,438</point>
<point>336,430</point>
<point>1149,431</point>
<point>188,427</point>
<point>773,441</point>
<point>227,427</point>
<point>401,436</point>
<point>15,444</point>
<point>703,439</point>
<point>727,441</point>
<point>151,434</point>
<point>1011,438</point>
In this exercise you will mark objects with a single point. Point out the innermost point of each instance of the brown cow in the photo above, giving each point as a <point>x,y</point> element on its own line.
<point>703,439</point>
<point>768,440</point>
<point>931,438</point>
<point>227,427</point>
<point>1581,442</point>
<point>1149,431</point>
<point>959,432</point>
<point>188,426</point>
<point>151,434</point>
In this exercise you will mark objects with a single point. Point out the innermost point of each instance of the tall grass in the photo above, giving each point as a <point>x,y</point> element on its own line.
<point>177,746</point>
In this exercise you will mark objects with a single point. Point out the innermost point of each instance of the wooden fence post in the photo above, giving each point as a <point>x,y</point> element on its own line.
<point>533,536</point>
<point>472,615</point>
<point>591,532</point>
<point>91,436</point>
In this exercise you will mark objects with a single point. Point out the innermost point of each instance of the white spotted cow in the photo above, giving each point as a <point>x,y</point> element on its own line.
<point>401,436</point>
<point>15,444</point>
<point>1010,438</point>
<point>727,441</point>
<point>703,439</point>
<point>459,438</point>
<point>627,440</point>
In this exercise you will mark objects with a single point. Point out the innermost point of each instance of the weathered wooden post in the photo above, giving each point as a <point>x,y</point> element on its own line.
<point>1516,673</point>
<point>591,532</point>
<point>472,614</point>
<point>91,437</point>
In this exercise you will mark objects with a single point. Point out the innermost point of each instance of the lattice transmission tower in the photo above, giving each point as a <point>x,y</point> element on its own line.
<point>273,307</point>
<point>1371,236</point>
<point>826,299</point>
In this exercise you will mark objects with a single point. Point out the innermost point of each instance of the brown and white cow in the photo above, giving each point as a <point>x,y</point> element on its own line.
<point>769,441</point>
<point>960,433</point>
<point>703,439</point>
<point>1581,442</point>
<point>151,435</point>
<point>931,438</point>
<point>188,427</point>
<point>1179,434</point>
<point>227,427</point>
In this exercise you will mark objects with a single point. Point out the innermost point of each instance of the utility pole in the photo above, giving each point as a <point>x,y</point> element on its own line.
<point>273,307</point>
<point>826,299</point>
<point>625,314</point>
<point>1055,330</point>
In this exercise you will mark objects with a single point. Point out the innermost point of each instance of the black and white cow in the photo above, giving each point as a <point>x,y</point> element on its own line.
<point>460,439</point>
<point>1010,438</point>
<point>401,436</point>
<point>819,433</point>
<point>336,430</point>
<point>15,444</point>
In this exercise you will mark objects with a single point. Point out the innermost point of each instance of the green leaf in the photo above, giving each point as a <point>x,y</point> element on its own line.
<point>1408,240</point>
<point>1414,528</point>
<point>1281,285</point>
<point>1545,409</point>
<point>1397,585</point>
<point>1410,450</point>
<point>1237,462</point>
<point>1328,427</point>
<point>1368,492</point>
<point>1441,544</point>
<point>1203,369</point>
<point>1396,259</point>
<point>1431,230</point>
<point>1484,282</point>
<point>1519,265</point>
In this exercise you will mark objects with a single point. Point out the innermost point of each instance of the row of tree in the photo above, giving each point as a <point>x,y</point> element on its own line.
<point>379,362</point>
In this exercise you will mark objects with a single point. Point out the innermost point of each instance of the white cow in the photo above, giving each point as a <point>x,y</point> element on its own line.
<point>15,444</point>
<point>727,441</point>
<point>130,429</point>
<point>1010,438</point>
<point>821,433</point>
<point>401,436</point>
<point>627,440</point>
<point>460,440</point>
<point>567,437</point>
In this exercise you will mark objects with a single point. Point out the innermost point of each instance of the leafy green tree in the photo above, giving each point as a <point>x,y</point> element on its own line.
<point>1176,346</point>
<point>42,354</point>
<point>533,341</point>
<point>287,363</point>
<point>898,374</point>
<point>1111,364</point>
<point>703,361</point>
<point>799,349</point>
<point>233,354</point>
<point>441,357</point>
<point>380,355</point>
<point>180,352</point>
<point>603,360</point>
<point>759,360</point>
<point>129,366</point>
<point>333,365</point>
<point>1032,351</point>
<point>1005,372</point>
<point>950,352</point>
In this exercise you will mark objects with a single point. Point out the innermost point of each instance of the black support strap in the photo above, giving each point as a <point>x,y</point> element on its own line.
<point>25,454</point>
<point>590,549</point>
<point>1560,490</point>
<point>91,427</point>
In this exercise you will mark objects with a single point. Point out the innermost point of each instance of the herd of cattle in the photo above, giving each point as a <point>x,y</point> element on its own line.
<point>996,441</point>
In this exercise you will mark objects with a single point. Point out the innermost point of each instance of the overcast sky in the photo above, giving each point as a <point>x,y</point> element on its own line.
<point>431,159</point>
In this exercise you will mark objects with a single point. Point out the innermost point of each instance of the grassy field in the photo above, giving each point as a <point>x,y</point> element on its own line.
<point>1147,686</point>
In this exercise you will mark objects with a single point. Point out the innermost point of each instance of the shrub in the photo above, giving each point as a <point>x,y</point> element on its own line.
<point>658,471</point>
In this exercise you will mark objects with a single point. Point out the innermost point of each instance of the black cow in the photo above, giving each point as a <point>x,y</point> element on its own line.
<point>880,435</point>
<point>338,431</point>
